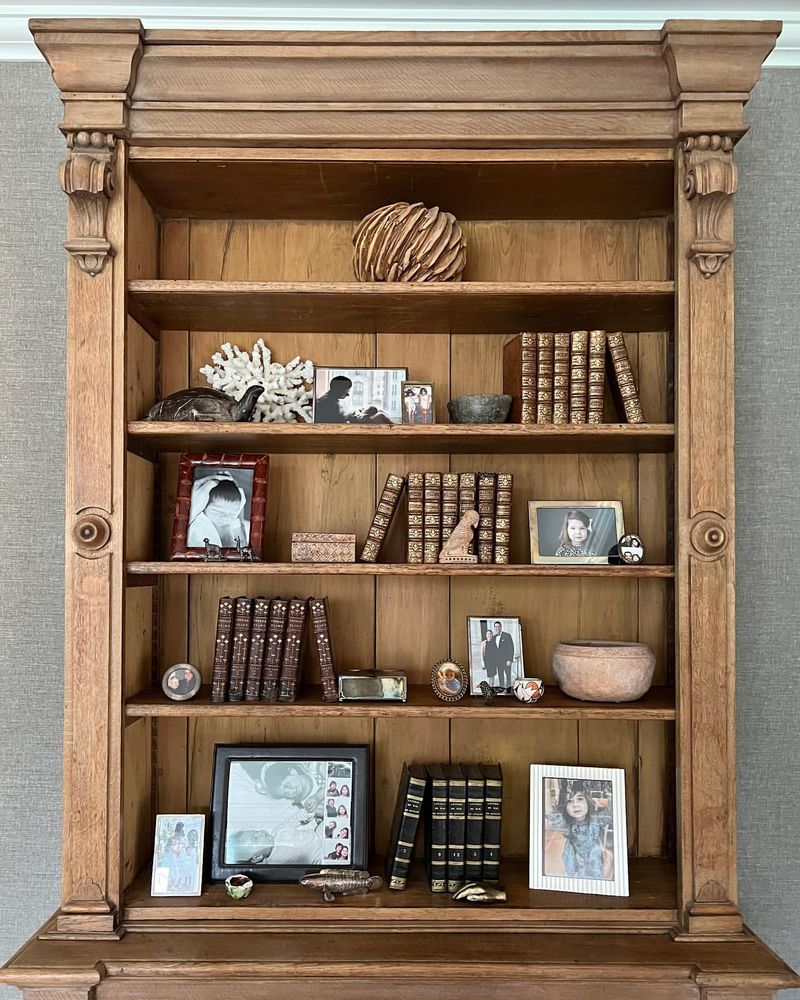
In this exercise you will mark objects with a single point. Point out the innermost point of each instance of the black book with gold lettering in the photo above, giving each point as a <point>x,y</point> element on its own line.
<point>456,826</point>
<point>492,818</point>
<point>436,828</point>
<point>474,822</point>
<point>405,824</point>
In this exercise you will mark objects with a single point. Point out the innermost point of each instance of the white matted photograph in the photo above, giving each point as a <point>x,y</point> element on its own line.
<point>220,507</point>
<point>358,395</point>
<point>178,855</point>
<point>579,532</point>
<point>578,838</point>
<point>495,652</point>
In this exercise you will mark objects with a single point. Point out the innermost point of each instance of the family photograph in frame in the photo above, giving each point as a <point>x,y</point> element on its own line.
<point>178,855</point>
<point>569,532</point>
<point>418,403</point>
<point>578,838</point>
<point>281,812</point>
<point>358,395</point>
<point>495,652</point>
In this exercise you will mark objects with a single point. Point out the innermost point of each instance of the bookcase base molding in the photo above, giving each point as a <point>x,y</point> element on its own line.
<point>214,183</point>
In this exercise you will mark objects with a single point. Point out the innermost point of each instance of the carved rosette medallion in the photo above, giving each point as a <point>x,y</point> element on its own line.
<point>91,533</point>
<point>87,177</point>
<point>711,179</point>
<point>709,536</point>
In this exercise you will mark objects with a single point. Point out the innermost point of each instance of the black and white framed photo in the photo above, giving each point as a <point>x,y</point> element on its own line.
<point>581,532</point>
<point>495,652</point>
<point>578,839</point>
<point>358,395</point>
<point>280,812</point>
<point>178,855</point>
<point>418,403</point>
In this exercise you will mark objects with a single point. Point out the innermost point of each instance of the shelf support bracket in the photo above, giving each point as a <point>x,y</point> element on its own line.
<point>711,181</point>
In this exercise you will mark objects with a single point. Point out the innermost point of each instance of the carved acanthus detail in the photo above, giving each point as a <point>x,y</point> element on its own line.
<point>711,178</point>
<point>87,176</point>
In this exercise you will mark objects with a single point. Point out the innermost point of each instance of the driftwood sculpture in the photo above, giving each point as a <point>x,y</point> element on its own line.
<point>456,548</point>
<point>403,242</point>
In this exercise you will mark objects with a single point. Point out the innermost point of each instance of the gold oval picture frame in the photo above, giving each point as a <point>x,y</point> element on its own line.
<point>449,680</point>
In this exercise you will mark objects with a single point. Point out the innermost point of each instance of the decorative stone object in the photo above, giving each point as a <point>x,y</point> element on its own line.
<point>207,405</point>
<point>456,548</point>
<point>491,408</point>
<point>604,671</point>
<point>333,882</point>
<point>528,689</point>
<point>488,692</point>
<point>405,242</point>
<point>238,886</point>
<point>480,892</point>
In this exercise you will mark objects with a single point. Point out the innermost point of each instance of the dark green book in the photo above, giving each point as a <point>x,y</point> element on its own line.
<point>436,828</point>
<point>456,826</point>
<point>474,822</point>
<point>492,818</point>
<point>405,823</point>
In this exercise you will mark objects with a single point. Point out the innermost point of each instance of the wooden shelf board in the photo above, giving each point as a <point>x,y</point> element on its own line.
<point>354,307</point>
<point>653,890</point>
<point>147,437</point>
<point>658,703</point>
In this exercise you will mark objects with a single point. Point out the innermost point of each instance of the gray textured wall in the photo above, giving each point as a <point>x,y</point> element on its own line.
<point>32,267</point>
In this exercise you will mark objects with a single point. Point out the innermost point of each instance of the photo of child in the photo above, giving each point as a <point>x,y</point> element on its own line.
<point>574,532</point>
<point>220,507</point>
<point>579,829</point>
<point>418,403</point>
<point>178,856</point>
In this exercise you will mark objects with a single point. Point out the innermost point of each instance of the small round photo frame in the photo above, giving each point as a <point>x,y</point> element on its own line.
<point>631,550</point>
<point>449,680</point>
<point>181,682</point>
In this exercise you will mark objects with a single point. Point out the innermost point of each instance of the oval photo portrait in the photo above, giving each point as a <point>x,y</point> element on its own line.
<point>449,680</point>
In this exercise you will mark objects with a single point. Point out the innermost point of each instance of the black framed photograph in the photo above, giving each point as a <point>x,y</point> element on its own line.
<point>281,812</point>
<point>358,395</point>
<point>418,403</point>
<point>578,836</point>
<point>495,652</point>
<point>581,532</point>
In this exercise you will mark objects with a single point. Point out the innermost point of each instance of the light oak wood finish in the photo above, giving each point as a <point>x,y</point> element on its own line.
<point>592,175</point>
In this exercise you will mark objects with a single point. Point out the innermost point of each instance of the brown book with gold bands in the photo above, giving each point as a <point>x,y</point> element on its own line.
<point>578,376</point>
<point>384,512</point>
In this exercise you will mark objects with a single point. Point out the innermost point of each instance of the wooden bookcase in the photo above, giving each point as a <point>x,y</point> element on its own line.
<point>214,182</point>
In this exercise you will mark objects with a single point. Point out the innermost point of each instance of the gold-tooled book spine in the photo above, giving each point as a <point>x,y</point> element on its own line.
<point>432,521</point>
<point>242,623</point>
<point>384,512</point>
<point>502,523</point>
<point>318,606</point>
<point>416,503</point>
<point>561,378</point>
<point>468,499</point>
<point>528,378</point>
<point>258,645</point>
<point>578,376</point>
<point>544,379</point>
<point>626,383</point>
<point>487,501</point>
<point>222,650</point>
<point>449,504</point>
<point>597,376</point>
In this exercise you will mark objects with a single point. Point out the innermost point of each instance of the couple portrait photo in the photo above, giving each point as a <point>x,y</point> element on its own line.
<point>495,652</point>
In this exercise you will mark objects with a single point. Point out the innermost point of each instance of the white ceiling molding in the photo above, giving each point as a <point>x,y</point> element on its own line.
<point>419,15</point>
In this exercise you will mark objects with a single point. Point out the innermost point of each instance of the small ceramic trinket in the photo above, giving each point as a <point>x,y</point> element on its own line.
<point>238,886</point>
<point>456,548</point>
<point>209,405</point>
<point>528,689</point>
<point>480,892</point>
<point>335,882</point>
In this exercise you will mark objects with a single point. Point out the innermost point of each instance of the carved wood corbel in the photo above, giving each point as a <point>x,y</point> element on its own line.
<point>711,179</point>
<point>87,178</point>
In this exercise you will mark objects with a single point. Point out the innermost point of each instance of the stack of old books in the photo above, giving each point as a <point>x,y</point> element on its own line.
<point>258,652</point>
<point>436,503</point>
<point>461,809</point>
<point>559,378</point>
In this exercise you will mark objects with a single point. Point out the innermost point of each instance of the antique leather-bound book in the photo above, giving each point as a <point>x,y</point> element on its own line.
<point>242,623</point>
<point>561,362</point>
<point>449,504</point>
<point>468,499</point>
<point>432,520</point>
<point>502,520</point>
<point>597,376</point>
<point>416,507</point>
<point>578,376</point>
<point>436,828</point>
<point>258,645</point>
<point>456,826</point>
<point>318,608</point>
<point>222,650</point>
<point>544,378</point>
<point>623,384</point>
<point>276,635</point>
<point>405,824</point>
<point>292,650</point>
<point>487,502</point>
<point>384,512</point>
<point>474,823</point>
<point>519,377</point>
<point>492,820</point>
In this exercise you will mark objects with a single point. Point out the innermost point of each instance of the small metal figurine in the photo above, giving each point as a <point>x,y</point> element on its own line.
<point>488,692</point>
<point>213,552</point>
<point>208,404</point>
<point>631,549</point>
<point>335,882</point>
<point>480,892</point>
<point>456,548</point>
<point>243,552</point>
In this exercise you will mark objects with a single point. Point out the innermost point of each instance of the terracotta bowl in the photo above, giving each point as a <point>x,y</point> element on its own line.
<point>604,671</point>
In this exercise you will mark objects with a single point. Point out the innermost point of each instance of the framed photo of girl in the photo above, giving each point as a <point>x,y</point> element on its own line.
<point>574,532</point>
<point>178,855</point>
<point>221,501</point>
<point>578,835</point>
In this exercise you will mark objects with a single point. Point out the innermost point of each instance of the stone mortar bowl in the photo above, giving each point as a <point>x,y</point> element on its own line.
<point>604,671</point>
<point>481,409</point>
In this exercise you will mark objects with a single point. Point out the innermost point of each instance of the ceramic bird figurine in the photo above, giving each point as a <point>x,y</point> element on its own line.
<point>334,882</point>
<point>456,548</point>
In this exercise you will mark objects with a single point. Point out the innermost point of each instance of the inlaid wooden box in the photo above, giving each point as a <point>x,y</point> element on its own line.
<point>323,547</point>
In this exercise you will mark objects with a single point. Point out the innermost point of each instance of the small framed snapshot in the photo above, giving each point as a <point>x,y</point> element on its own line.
<point>358,395</point>
<point>280,812</point>
<point>495,652</point>
<point>221,501</point>
<point>581,532</point>
<point>181,682</point>
<point>578,839</point>
<point>418,403</point>
<point>449,680</point>
<point>178,855</point>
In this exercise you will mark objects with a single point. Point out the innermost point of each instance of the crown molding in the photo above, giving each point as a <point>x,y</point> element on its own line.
<point>467,15</point>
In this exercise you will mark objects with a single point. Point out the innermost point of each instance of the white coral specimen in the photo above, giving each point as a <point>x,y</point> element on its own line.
<point>286,397</point>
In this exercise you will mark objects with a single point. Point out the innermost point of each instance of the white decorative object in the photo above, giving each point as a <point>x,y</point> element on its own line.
<point>287,393</point>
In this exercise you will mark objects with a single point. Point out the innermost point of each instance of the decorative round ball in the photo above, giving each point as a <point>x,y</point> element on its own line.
<point>238,886</point>
<point>528,689</point>
<point>403,242</point>
<point>604,671</point>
